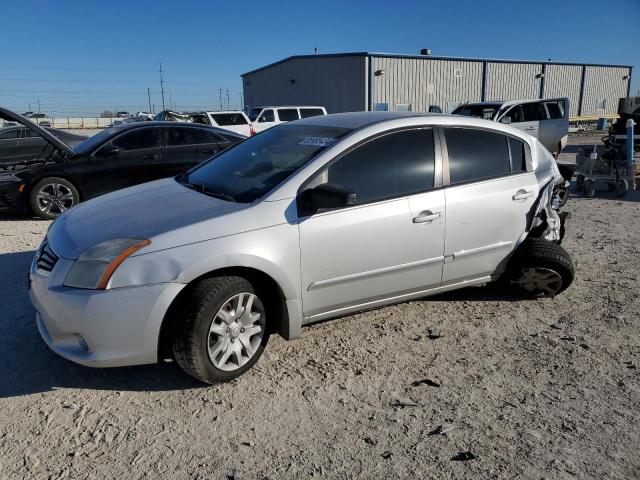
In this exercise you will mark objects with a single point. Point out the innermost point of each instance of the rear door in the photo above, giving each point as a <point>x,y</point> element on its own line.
<point>390,243</point>
<point>186,147</point>
<point>554,124</point>
<point>135,161</point>
<point>491,189</point>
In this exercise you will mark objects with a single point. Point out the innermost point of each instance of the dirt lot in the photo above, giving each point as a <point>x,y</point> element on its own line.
<point>533,389</point>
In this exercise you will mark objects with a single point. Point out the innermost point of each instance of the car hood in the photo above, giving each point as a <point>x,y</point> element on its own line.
<point>145,211</point>
<point>56,142</point>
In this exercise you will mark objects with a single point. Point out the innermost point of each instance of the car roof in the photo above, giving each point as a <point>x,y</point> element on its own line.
<point>167,123</point>
<point>355,120</point>
<point>287,106</point>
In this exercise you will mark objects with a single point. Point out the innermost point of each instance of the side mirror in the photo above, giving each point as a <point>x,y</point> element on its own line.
<point>327,195</point>
<point>506,120</point>
<point>109,150</point>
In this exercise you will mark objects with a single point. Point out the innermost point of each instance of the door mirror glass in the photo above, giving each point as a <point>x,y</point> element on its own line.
<point>506,120</point>
<point>327,195</point>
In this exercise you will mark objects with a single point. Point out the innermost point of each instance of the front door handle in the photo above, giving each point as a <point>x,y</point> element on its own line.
<point>149,156</point>
<point>522,195</point>
<point>530,128</point>
<point>426,216</point>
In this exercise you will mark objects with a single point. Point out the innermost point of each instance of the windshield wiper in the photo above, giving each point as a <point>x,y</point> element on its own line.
<point>207,190</point>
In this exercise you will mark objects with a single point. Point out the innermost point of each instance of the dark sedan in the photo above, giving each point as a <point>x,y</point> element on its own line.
<point>115,158</point>
<point>19,143</point>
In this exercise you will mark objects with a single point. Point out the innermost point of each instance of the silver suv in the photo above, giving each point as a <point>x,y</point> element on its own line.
<point>309,220</point>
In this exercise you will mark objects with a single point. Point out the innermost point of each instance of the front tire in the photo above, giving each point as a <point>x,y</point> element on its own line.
<point>53,196</point>
<point>540,268</point>
<point>223,330</point>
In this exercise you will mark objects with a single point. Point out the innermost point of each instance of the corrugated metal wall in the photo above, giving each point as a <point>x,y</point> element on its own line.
<point>606,83</point>
<point>423,82</point>
<point>340,83</point>
<point>337,83</point>
<point>513,81</point>
<point>564,81</point>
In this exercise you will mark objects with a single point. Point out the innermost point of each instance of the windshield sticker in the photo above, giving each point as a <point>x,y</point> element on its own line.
<point>318,141</point>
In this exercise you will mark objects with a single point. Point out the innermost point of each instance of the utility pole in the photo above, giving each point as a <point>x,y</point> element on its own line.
<point>220,96</point>
<point>149,98</point>
<point>39,106</point>
<point>228,99</point>
<point>170,102</point>
<point>162,85</point>
<point>241,101</point>
<point>315,51</point>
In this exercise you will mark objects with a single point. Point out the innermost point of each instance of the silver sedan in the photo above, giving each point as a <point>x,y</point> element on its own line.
<point>306,221</point>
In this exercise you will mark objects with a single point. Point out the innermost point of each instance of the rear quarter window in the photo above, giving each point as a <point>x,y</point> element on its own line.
<point>311,112</point>
<point>227,119</point>
<point>288,114</point>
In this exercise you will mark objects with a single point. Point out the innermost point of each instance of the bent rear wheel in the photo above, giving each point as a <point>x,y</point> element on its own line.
<point>539,268</point>
<point>53,196</point>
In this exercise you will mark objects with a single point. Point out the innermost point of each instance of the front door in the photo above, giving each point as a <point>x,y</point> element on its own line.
<point>390,243</point>
<point>526,117</point>
<point>488,202</point>
<point>134,162</point>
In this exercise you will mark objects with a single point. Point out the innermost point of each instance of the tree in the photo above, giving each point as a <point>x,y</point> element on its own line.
<point>107,114</point>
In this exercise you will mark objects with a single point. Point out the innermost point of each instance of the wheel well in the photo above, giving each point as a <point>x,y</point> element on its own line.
<point>267,288</point>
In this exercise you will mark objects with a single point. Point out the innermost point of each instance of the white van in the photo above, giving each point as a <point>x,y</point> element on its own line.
<point>266,117</point>
<point>234,121</point>
<point>547,120</point>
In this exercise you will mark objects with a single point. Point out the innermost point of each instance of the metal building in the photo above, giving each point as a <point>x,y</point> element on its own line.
<point>379,81</point>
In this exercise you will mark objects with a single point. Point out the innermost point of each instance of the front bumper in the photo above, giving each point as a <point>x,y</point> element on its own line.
<point>11,199</point>
<point>99,328</point>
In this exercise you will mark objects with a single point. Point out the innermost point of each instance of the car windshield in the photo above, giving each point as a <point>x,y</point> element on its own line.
<point>253,114</point>
<point>252,168</point>
<point>485,111</point>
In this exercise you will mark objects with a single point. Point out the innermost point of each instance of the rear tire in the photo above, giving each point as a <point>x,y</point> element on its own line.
<point>53,196</point>
<point>539,268</point>
<point>222,331</point>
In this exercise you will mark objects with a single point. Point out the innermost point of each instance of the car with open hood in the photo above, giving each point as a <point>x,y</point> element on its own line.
<point>118,157</point>
<point>19,143</point>
<point>309,220</point>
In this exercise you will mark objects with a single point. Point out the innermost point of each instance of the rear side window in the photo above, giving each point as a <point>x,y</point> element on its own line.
<point>190,136</point>
<point>554,109</point>
<point>226,119</point>
<point>518,158</point>
<point>476,154</point>
<point>138,139</point>
<point>516,114</point>
<point>310,112</point>
<point>393,165</point>
<point>10,134</point>
<point>288,114</point>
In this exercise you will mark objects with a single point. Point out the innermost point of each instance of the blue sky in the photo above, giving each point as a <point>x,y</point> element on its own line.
<point>82,57</point>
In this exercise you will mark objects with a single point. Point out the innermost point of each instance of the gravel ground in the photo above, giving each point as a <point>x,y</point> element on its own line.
<point>547,388</point>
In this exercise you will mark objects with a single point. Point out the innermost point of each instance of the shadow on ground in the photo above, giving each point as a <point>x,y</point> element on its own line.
<point>28,365</point>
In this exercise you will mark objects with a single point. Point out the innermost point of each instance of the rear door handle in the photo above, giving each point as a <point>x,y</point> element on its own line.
<point>530,128</point>
<point>426,216</point>
<point>149,156</point>
<point>522,195</point>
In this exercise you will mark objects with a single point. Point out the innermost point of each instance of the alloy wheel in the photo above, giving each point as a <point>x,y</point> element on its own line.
<point>54,198</point>
<point>538,280</point>
<point>236,332</point>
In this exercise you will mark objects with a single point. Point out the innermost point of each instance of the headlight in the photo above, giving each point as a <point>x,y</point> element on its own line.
<point>96,265</point>
<point>8,177</point>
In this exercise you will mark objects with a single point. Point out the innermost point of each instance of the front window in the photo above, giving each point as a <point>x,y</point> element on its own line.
<point>252,168</point>
<point>253,114</point>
